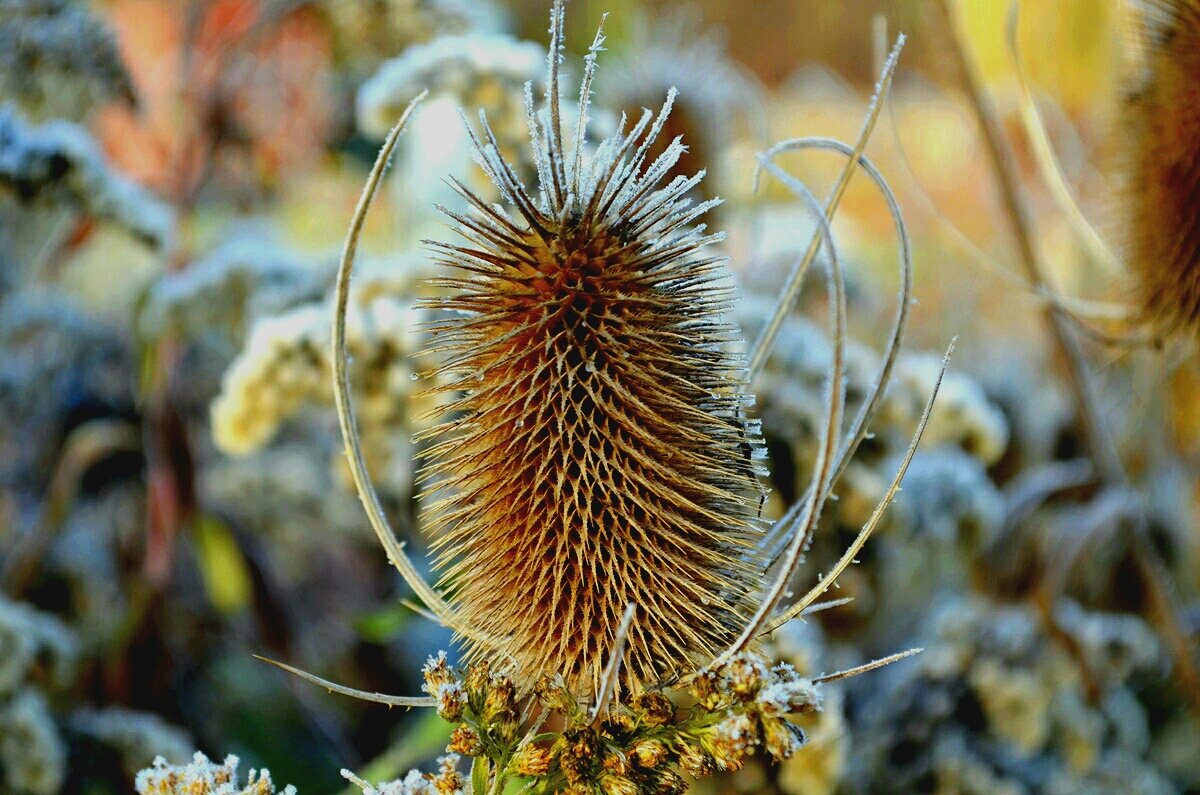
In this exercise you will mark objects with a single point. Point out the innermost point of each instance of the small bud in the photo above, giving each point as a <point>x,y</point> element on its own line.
<point>437,673</point>
<point>695,762</point>
<point>782,738</point>
<point>797,696</point>
<point>532,761</point>
<point>451,700</point>
<point>448,781</point>
<point>577,754</point>
<point>648,754</point>
<point>656,708</point>
<point>465,740</point>
<point>615,762</point>
<point>670,783</point>
<point>501,700</point>
<point>732,739</point>
<point>619,722</point>
<point>706,689</point>
<point>745,675</point>
<point>552,693</point>
<point>477,677</point>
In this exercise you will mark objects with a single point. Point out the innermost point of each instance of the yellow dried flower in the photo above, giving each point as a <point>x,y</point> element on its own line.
<point>696,762</point>
<point>654,708</point>
<point>650,753</point>
<point>781,738</point>
<point>465,740</point>
<point>732,739</point>
<point>532,760</point>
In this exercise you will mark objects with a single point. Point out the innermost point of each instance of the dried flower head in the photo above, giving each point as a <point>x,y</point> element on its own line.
<point>1163,137</point>
<point>596,452</point>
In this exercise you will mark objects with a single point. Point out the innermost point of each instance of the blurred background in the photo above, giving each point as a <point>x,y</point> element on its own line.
<point>176,177</point>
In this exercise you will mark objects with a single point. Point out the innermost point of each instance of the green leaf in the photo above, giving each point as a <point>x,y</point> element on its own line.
<point>479,776</point>
<point>223,569</point>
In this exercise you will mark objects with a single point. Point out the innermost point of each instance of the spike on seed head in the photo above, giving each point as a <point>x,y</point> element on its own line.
<point>595,452</point>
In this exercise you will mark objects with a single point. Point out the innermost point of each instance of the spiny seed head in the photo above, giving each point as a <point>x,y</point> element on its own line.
<point>595,452</point>
<point>1162,125</point>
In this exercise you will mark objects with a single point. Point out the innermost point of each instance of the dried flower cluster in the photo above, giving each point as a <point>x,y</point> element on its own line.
<point>646,745</point>
<point>998,705</point>
<point>202,777</point>
<point>285,367</point>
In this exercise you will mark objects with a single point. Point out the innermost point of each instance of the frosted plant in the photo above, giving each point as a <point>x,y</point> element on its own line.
<point>33,755</point>
<point>368,31</point>
<point>964,417</point>
<point>58,60</point>
<point>55,173</point>
<point>673,51</point>
<point>474,70</point>
<point>202,777</point>
<point>244,278</point>
<point>33,645</point>
<point>997,704</point>
<point>30,637</point>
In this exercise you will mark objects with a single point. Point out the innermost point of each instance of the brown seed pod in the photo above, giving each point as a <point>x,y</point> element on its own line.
<point>596,452</point>
<point>1162,195</point>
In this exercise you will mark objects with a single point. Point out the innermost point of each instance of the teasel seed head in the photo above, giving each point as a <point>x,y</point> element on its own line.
<point>595,452</point>
<point>1162,153</point>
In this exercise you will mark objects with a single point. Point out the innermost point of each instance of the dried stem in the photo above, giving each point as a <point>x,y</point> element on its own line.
<point>1020,220</point>
<point>852,551</point>
<point>762,346</point>
<point>1043,152</point>
<point>867,413</point>
<point>806,512</point>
